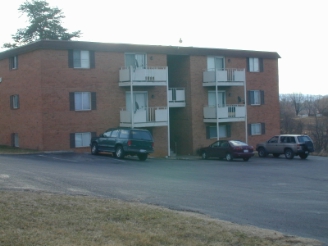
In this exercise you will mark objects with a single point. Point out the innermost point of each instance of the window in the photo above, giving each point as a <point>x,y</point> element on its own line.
<point>135,60</point>
<point>256,97</point>
<point>255,64</point>
<point>81,59</point>
<point>14,101</point>
<point>82,139</point>
<point>256,129</point>
<point>13,62</point>
<point>15,140</point>
<point>224,131</point>
<point>214,63</point>
<point>82,101</point>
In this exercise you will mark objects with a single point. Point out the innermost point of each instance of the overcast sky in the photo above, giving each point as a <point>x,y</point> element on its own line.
<point>297,30</point>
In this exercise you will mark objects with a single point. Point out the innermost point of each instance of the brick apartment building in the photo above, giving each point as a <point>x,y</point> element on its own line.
<point>55,95</point>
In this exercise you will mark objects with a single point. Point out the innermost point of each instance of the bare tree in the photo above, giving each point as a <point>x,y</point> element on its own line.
<point>297,100</point>
<point>319,133</point>
<point>287,114</point>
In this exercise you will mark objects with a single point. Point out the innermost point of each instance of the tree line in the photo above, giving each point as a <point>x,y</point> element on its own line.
<point>305,114</point>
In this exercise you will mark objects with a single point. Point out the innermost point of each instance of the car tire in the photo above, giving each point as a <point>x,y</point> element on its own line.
<point>262,152</point>
<point>229,157</point>
<point>246,158</point>
<point>94,149</point>
<point>303,156</point>
<point>119,152</point>
<point>276,155</point>
<point>204,156</point>
<point>289,154</point>
<point>142,157</point>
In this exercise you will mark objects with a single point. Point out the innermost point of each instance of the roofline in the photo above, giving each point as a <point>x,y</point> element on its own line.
<point>121,47</point>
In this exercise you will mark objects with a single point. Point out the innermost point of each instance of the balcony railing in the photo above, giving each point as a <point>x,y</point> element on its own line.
<point>225,112</point>
<point>150,116</point>
<point>177,97</point>
<point>228,76</point>
<point>147,75</point>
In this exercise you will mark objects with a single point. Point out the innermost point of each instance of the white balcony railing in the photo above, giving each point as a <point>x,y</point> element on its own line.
<point>145,115</point>
<point>227,111</point>
<point>149,74</point>
<point>224,75</point>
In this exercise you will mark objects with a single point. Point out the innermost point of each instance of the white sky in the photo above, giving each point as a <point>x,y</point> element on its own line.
<point>297,30</point>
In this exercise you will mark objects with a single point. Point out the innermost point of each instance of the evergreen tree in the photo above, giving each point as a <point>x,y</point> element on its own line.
<point>45,23</point>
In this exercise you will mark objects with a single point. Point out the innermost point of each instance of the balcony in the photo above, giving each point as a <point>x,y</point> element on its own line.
<point>177,98</point>
<point>227,113</point>
<point>224,77</point>
<point>146,117</point>
<point>150,76</point>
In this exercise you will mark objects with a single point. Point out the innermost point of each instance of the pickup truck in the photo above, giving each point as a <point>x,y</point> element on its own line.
<point>288,144</point>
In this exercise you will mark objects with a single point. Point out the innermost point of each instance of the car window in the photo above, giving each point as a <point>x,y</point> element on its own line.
<point>144,135</point>
<point>291,140</point>
<point>303,139</point>
<point>107,134</point>
<point>273,140</point>
<point>225,144</point>
<point>216,144</point>
<point>124,134</point>
<point>114,134</point>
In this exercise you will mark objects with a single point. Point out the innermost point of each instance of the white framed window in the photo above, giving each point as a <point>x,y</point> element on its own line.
<point>13,62</point>
<point>224,131</point>
<point>82,139</point>
<point>81,59</point>
<point>254,64</point>
<point>82,101</point>
<point>135,60</point>
<point>256,97</point>
<point>215,62</point>
<point>256,129</point>
<point>14,101</point>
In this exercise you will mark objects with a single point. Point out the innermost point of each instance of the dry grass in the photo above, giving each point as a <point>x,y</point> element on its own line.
<point>37,218</point>
<point>11,150</point>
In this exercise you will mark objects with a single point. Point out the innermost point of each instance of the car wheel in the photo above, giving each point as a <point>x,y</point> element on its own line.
<point>289,154</point>
<point>142,157</point>
<point>276,155</point>
<point>204,156</point>
<point>261,152</point>
<point>119,152</point>
<point>94,148</point>
<point>245,158</point>
<point>229,157</point>
<point>303,156</point>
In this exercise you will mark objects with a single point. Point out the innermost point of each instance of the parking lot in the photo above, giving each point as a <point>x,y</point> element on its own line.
<point>289,196</point>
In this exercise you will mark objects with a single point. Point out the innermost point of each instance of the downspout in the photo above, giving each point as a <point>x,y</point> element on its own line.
<point>131,98</point>
<point>168,114</point>
<point>245,102</point>
<point>217,106</point>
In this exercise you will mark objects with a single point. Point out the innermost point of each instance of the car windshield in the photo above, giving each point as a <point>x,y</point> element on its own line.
<point>141,135</point>
<point>303,139</point>
<point>238,143</point>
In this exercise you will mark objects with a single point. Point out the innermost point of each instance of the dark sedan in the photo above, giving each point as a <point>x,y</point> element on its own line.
<point>228,149</point>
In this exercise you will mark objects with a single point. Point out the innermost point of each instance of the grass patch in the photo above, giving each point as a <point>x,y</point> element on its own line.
<point>13,150</point>
<point>38,218</point>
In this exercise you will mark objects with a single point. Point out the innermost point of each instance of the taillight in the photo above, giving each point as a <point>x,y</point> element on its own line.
<point>152,144</point>
<point>129,143</point>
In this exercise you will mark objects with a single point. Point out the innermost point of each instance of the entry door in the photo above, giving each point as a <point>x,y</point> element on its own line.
<point>214,63</point>
<point>140,104</point>
<point>221,98</point>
